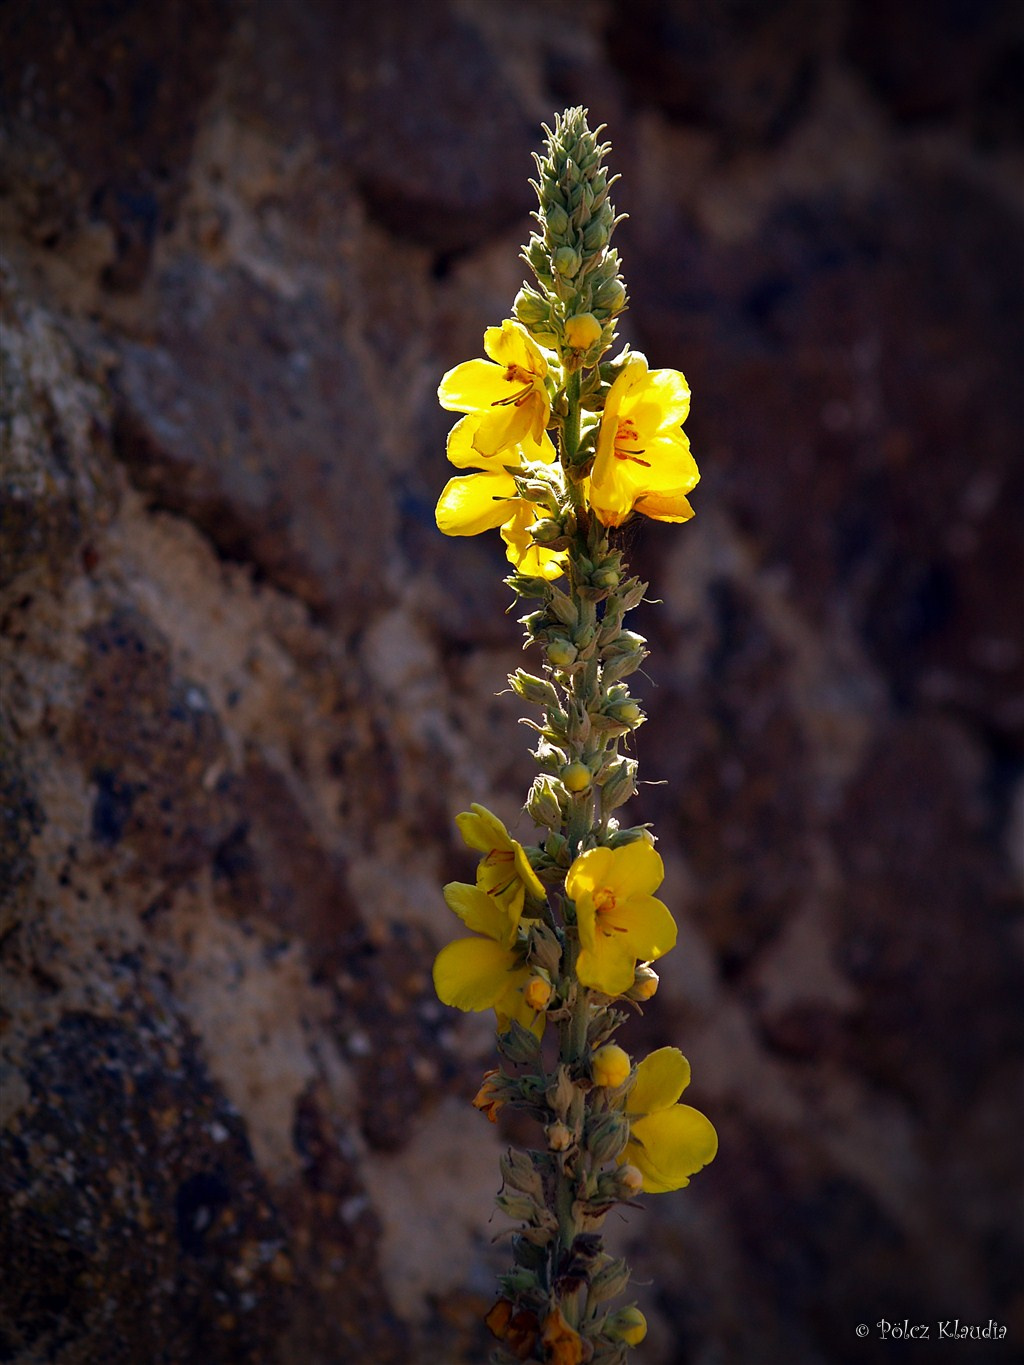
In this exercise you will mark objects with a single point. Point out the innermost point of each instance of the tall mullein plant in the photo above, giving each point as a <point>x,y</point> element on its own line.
<point>566,446</point>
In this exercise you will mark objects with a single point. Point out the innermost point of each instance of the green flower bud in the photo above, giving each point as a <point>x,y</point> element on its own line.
<point>628,712</point>
<point>562,606</point>
<point>619,785</point>
<point>561,653</point>
<point>543,802</point>
<point>605,578</point>
<point>544,951</point>
<point>519,1173</point>
<point>620,837</point>
<point>519,1206</point>
<point>611,297</point>
<point>519,1284</point>
<point>546,530</point>
<point>537,691</point>
<point>608,1280</point>
<point>527,585</point>
<point>557,848</point>
<point>531,308</point>
<point>535,622</point>
<point>527,1254</point>
<point>556,221</point>
<point>566,262</point>
<point>631,594</point>
<point>596,235</point>
<point>560,1094</point>
<point>606,1136</point>
<point>518,1044</point>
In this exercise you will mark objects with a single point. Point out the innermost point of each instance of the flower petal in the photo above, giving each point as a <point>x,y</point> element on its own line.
<point>511,344</point>
<point>464,450</point>
<point>505,426</point>
<point>660,1079</point>
<point>670,1146</point>
<point>513,1005</point>
<point>668,391</point>
<point>643,926</point>
<point>664,506</point>
<point>475,973</point>
<point>522,552</point>
<point>481,829</point>
<point>633,868</point>
<point>608,966</point>
<point>481,912</point>
<point>588,871</point>
<point>473,386</point>
<point>474,502</point>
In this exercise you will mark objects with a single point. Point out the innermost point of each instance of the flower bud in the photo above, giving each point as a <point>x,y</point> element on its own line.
<point>559,1095</point>
<point>527,585</point>
<point>645,983</point>
<point>518,1044</point>
<point>607,1135</point>
<point>556,846</point>
<point>558,1136</point>
<point>608,1280</point>
<point>561,653</point>
<point>605,578</point>
<point>611,296</point>
<point>538,992</point>
<point>566,262</point>
<point>561,605</point>
<point>610,1065</point>
<point>620,837</point>
<point>545,530</point>
<point>535,622</point>
<point>619,785</point>
<point>530,307</point>
<point>576,776</point>
<point>543,804</point>
<point>490,1097</point>
<point>628,1325</point>
<point>631,1180</point>
<point>544,950</point>
<point>519,1206</point>
<point>582,331</point>
<point>532,689</point>
<point>621,665</point>
<point>519,1173</point>
<point>556,220</point>
<point>628,712</point>
<point>526,1253</point>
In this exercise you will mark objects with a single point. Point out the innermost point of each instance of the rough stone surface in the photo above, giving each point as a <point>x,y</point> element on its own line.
<point>246,684</point>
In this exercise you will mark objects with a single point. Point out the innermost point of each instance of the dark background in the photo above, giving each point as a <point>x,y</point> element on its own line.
<point>247,684</point>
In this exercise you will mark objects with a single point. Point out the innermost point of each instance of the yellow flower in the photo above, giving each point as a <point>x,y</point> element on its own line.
<point>488,971</point>
<point>668,1141</point>
<point>504,871</point>
<point>620,921</point>
<point>643,460</point>
<point>563,1344</point>
<point>488,1099</point>
<point>472,503</point>
<point>504,397</point>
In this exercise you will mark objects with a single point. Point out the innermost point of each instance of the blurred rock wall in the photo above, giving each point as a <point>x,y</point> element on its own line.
<point>246,684</point>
